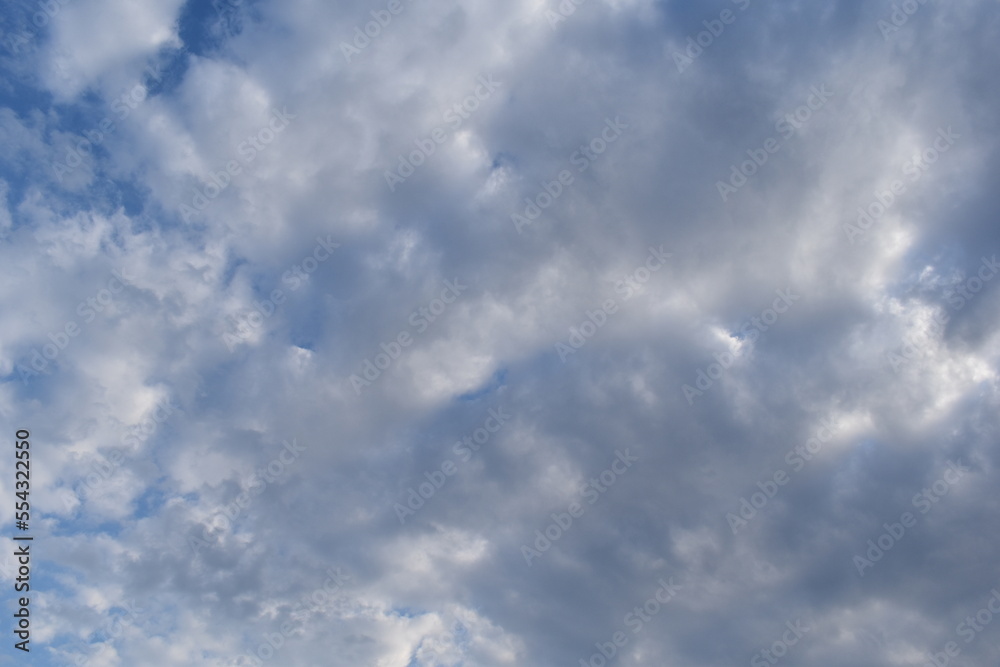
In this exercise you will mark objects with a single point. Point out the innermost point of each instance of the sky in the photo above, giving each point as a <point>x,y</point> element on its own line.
<point>538,333</point>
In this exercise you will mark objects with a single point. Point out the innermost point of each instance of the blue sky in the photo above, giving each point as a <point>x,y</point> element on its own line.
<point>441,334</point>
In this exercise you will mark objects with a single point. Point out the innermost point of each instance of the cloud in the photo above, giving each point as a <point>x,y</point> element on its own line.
<point>225,282</point>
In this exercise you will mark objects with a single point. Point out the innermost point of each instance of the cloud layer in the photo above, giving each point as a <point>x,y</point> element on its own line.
<point>407,334</point>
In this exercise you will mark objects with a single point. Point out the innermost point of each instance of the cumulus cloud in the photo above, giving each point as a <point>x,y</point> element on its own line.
<point>533,333</point>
